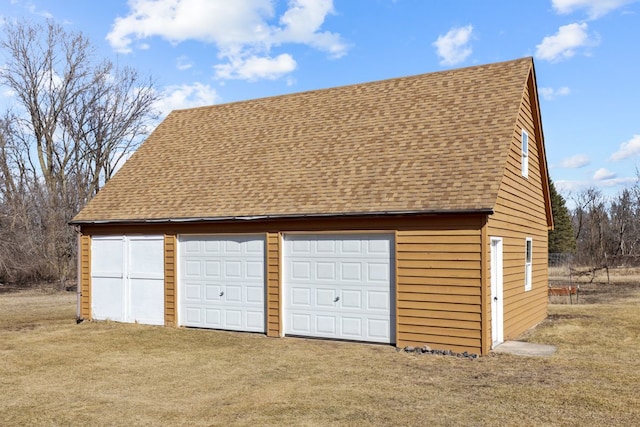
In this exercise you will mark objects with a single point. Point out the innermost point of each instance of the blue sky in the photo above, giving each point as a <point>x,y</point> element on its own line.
<point>587,57</point>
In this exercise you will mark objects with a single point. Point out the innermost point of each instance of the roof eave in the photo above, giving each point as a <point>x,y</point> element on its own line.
<point>478,211</point>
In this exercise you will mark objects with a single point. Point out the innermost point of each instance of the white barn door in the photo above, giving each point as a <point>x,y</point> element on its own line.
<point>127,279</point>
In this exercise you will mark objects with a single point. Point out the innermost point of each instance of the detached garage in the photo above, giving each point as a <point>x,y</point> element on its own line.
<point>407,211</point>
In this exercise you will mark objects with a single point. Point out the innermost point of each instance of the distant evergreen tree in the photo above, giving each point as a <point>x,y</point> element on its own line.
<point>561,238</point>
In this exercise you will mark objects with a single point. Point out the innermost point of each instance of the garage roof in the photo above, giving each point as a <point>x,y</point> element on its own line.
<point>434,142</point>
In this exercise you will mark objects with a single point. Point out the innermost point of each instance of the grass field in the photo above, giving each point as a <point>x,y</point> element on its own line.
<point>54,372</point>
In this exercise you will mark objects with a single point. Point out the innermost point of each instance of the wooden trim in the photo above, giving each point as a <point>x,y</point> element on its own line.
<point>485,289</point>
<point>396,263</point>
<point>532,86</point>
<point>170,280</point>
<point>273,268</point>
<point>85,276</point>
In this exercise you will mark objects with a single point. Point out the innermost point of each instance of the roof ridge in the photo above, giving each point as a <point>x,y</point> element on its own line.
<point>370,82</point>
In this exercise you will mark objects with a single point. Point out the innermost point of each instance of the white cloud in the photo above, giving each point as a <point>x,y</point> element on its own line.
<point>302,22</point>
<point>185,96</point>
<point>244,31</point>
<point>616,182</point>
<point>603,174</point>
<point>594,8</point>
<point>183,63</point>
<point>568,186</point>
<point>254,68</point>
<point>575,162</point>
<point>550,93</point>
<point>564,43</point>
<point>627,149</point>
<point>34,10</point>
<point>453,47</point>
<point>210,21</point>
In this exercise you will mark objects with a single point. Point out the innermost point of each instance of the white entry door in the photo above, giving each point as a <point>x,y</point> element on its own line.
<point>222,282</point>
<point>497,293</point>
<point>339,286</point>
<point>127,279</point>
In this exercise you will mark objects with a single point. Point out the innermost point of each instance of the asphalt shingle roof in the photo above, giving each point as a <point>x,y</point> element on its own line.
<point>426,143</point>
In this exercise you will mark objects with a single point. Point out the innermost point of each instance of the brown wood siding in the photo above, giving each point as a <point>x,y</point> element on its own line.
<point>85,277</point>
<point>439,270</point>
<point>274,306</point>
<point>170,280</point>
<point>520,212</point>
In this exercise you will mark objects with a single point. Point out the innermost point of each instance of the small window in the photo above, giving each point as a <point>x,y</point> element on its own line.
<point>528,261</point>
<point>525,153</point>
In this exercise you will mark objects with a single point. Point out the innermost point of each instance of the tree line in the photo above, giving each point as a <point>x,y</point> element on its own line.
<point>70,119</point>
<point>599,231</point>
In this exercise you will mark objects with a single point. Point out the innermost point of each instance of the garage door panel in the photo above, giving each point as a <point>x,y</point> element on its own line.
<point>231,282</point>
<point>233,318</point>
<point>378,272</point>
<point>352,299</point>
<point>212,247</point>
<point>350,271</point>
<point>300,296</point>
<point>211,292</point>
<point>254,247</point>
<point>213,269</point>
<point>352,327</point>
<point>254,269</point>
<point>233,294</point>
<point>212,317</point>
<point>255,295</point>
<point>378,301</point>
<point>378,328</point>
<point>192,292</point>
<point>232,269</point>
<point>326,325</point>
<point>339,286</point>
<point>325,270</point>
<point>325,298</point>
<point>300,324</point>
<point>255,319</point>
<point>193,315</point>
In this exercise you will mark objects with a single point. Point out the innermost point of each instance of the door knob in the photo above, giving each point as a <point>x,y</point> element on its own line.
<point>495,298</point>
<point>221,293</point>
<point>336,299</point>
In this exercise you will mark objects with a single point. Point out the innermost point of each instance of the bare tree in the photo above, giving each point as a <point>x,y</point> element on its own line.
<point>107,122</point>
<point>74,120</point>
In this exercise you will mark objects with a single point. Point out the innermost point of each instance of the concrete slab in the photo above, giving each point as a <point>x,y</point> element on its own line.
<point>521,348</point>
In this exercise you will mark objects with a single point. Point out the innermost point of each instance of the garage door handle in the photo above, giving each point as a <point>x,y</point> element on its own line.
<point>221,293</point>
<point>336,299</point>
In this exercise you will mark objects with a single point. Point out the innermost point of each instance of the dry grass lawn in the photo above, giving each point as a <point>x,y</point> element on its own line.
<point>54,372</point>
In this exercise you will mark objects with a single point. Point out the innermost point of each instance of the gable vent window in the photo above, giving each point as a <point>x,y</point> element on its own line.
<point>528,261</point>
<point>525,153</point>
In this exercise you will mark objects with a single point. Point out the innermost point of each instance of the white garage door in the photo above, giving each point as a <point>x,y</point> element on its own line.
<point>339,286</point>
<point>127,279</point>
<point>222,282</point>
